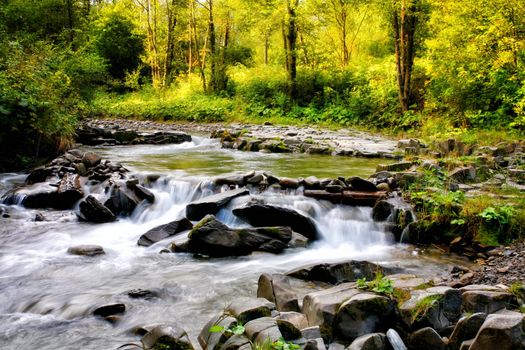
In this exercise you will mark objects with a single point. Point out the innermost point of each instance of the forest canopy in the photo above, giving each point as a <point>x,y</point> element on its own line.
<point>439,67</point>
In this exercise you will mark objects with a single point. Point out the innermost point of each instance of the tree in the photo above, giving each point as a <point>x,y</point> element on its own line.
<point>290,45</point>
<point>406,19</point>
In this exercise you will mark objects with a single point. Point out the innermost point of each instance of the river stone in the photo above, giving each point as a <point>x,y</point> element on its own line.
<point>312,183</point>
<point>501,332</point>
<point>246,309</point>
<point>122,201</point>
<point>436,307</point>
<point>213,340</point>
<point>259,215</point>
<point>91,210</point>
<point>142,294</point>
<point>143,193</point>
<point>466,328</point>
<point>296,318</point>
<point>426,338</point>
<point>288,330</point>
<point>487,301</point>
<point>110,310</point>
<point>164,231</point>
<point>277,289</point>
<point>38,197</point>
<point>395,340</point>
<point>91,159</point>
<point>313,332</point>
<point>254,327</point>
<point>237,342</point>
<point>361,185</point>
<point>213,238</point>
<point>86,250</point>
<point>400,166</point>
<point>315,344</point>
<point>321,307</point>
<point>169,337</point>
<point>374,341</point>
<point>362,314</point>
<point>337,273</point>
<point>69,191</point>
<point>198,209</point>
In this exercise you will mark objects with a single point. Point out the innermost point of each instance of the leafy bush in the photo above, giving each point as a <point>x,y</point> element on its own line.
<point>380,284</point>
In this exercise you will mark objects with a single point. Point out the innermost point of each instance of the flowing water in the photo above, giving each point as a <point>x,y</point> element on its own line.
<point>47,296</point>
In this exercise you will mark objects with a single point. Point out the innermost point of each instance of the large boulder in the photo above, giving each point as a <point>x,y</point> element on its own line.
<point>245,309</point>
<point>91,210</point>
<point>362,314</point>
<point>373,341</point>
<point>212,238</point>
<point>426,338</point>
<point>161,232</point>
<point>466,328</point>
<point>69,191</point>
<point>198,209</point>
<point>487,299</point>
<point>436,307</point>
<point>361,185</point>
<point>348,271</point>
<point>277,289</point>
<point>168,337</point>
<point>501,332</point>
<point>260,215</point>
<point>122,201</point>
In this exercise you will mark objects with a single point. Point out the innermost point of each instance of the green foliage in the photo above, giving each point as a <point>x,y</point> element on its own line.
<point>380,284</point>
<point>424,305</point>
<point>117,42</point>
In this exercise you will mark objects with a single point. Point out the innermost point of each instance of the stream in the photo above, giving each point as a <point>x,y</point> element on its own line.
<point>47,296</point>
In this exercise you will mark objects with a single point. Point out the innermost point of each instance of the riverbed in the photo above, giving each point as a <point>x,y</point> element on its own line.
<point>47,296</point>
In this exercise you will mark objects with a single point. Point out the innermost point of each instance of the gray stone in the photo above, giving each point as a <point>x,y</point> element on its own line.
<point>164,231</point>
<point>277,289</point>
<point>213,340</point>
<point>109,310</point>
<point>313,332</point>
<point>91,159</point>
<point>237,342</point>
<point>247,309</point>
<point>501,332</point>
<point>426,338</point>
<point>167,337</point>
<point>86,250</point>
<point>466,328</point>
<point>395,340</point>
<point>91,210</point>
<point>297,319</point>
<point>374,341</point>
<point>362,314</point>
<point>463,174</point>
<point>348,271</point>
<point>362,185</point>
<point>400,166</point>
<point>198,209</point>
<point>487,301</point>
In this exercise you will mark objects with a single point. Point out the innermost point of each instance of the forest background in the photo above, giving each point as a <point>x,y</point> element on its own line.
<point>431,68</point>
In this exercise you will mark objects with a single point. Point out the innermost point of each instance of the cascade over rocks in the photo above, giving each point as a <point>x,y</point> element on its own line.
<point>161,232</point>
<point>198,209</point>
<point>212,238</point>
<point>268,215</point>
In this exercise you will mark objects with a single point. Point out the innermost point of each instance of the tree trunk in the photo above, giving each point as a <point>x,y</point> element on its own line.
<point>404,24</point>
<point>291,47</point>
<point>170,44</point>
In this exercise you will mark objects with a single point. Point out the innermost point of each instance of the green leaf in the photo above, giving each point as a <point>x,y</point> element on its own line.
<point>216,329</point>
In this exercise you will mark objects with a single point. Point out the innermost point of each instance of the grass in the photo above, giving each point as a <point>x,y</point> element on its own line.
<point>424,305</point>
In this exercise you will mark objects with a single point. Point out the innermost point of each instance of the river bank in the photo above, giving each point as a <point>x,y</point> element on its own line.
<point>184,287</point>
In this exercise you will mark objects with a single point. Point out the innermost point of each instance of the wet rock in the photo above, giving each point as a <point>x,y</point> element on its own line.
<point>426,338</point>
<point>466,328</point>
<point>383,186</point>
<point>109,310</point>
<point>315,344</point>
<point>169,337</point>
<point>361,185</point>
<point>366,199</point>
<point>263,328</point>
<point>212,238</point>
<point>141,294</point>
<point>395,340</point>
<point>374,341</point>
<point>436,307</point>
<point>321,307</point>
<point>312,182</point>
<point>298,241</point>
<point>486,300</point>
<point>338,273</point>
<point>246,309</point>
<point>502,332</point>
<point>382,210</point>
<point>143,193</point>
<point>86,250</point>
<point>69,191</point>
<point>164,231</point>
<point>237,342</point>
<point>38,217</point>
<point>39,197</point>
<point>313,332</point>
<point>298,320</point>
<point>91,159</point>
<point>91,210</point>
<point>287,182</point>
<point>214,340</point>
<point>268,215</point>
<point>277,289</point>
<point>122,201</point>
<point>362,314</point>
<point>165,137</point>
<point>198,209</point>
<point>39,174</point>
<point>233,180</point>
<point>400,166</point>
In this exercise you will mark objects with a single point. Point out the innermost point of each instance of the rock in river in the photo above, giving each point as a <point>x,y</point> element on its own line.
<point>91,210</point>
<point>164,231</point>
<point>213,238</point>
<point>268,215</point>
<point>198,209</point>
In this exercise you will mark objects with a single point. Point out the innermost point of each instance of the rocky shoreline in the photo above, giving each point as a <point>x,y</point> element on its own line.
<point>355,304</point>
